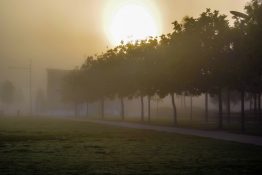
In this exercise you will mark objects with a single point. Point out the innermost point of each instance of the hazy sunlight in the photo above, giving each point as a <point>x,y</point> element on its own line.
<point>131,21</point>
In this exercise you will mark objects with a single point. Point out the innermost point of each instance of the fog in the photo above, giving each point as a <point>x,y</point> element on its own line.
<point>60,34</point>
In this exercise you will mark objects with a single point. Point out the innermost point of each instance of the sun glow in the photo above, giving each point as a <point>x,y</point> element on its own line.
<point>131,21</point>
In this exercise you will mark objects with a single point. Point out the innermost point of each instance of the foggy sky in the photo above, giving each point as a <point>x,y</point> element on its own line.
<point>61,33</point>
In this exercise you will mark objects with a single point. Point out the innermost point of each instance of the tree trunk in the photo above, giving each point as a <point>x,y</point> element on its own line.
<point>250,105</point>
<point>76,110</point>
<point>191,107</point>
<point>228,107</point>
<point>184,97</point>
<point>102,108</point>
<point>220,110</point>
<point>149,108</point>
<point>87,109</point>
<point>206,107</point>
<point>174,108</point>
<point>157,112</point>
<point>122,108</point>
<point>259,106</point>
<point>255,104</point>
<point>242,111</point>
<point>142,108</point>
<point>181,100</point>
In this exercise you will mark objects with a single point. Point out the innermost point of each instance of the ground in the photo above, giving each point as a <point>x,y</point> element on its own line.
<point>64,146</point>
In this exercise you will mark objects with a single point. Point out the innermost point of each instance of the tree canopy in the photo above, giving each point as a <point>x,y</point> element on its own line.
<point>203,54</point>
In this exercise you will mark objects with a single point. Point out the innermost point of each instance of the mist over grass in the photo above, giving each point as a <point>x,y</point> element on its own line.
<point>65,146</point>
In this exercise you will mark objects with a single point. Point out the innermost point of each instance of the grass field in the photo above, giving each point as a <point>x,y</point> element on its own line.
<point>64,146</point>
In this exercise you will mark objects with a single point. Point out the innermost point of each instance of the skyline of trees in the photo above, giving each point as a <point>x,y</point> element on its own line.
<point>203,55</point>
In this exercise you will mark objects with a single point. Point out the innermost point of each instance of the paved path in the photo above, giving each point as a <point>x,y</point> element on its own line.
<point>221,135</point>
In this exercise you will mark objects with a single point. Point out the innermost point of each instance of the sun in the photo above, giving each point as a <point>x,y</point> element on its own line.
<point>131,22</point>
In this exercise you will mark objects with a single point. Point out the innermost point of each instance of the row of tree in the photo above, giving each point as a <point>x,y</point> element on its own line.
<point>201,55</point>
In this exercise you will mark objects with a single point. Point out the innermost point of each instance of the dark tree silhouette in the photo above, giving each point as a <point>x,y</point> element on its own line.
<point>202,55</point>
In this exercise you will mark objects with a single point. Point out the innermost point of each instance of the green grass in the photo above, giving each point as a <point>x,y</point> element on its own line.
<point>63,146</point>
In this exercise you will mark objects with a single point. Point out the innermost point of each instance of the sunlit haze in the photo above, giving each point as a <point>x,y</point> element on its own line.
<point>61,33</point>
<point>131,21</point>
<point>130,87</point>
